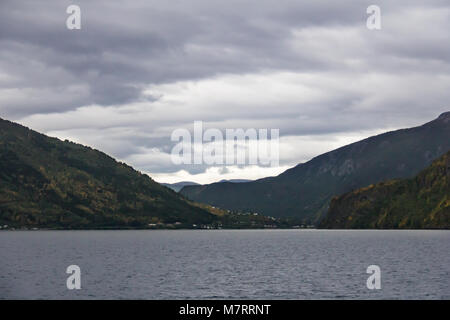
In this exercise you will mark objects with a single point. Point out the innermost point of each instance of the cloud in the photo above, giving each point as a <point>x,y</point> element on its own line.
<point>137,70</point>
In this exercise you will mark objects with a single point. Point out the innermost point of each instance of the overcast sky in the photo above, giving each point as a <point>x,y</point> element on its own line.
<point>137,70</point>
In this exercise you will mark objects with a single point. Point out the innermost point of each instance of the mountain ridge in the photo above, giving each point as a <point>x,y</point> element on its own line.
<point>46,182</point>
<point>417,203</point>
<point>177,186</point>
<point>306,189</point>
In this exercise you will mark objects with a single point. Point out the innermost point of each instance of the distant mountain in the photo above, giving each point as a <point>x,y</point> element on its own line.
<point>306,190</point>
<point>420,202</point>
<point>235,180</point>
<point>45,182</point>
<point>179,185</point>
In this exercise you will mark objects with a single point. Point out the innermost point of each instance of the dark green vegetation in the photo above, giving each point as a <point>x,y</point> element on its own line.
<point>306,190</point>
<point>420,202</point>
<point>45,182</point>
<point>48,183</point>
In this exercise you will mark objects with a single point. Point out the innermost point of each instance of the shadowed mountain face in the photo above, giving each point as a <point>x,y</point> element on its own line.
<point>305,190</point>
<point>421,202</point>
<point>50,183</point>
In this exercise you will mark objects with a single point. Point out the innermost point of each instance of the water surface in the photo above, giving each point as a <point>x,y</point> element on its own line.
<point>225,264</point>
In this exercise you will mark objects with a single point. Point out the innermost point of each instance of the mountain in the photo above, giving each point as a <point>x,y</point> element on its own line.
<point>45,182</point>
<point>177,186</point>
<point>235,180</point>
<point>306,190</point>
<point>420,202</point>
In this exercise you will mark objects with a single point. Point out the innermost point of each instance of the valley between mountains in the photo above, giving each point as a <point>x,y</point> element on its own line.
<point>398,179</point>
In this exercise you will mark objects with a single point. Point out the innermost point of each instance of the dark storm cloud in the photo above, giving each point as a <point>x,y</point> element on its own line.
<point>124,45</point>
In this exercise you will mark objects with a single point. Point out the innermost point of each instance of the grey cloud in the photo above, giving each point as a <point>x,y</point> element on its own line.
<point>125,45</point>
<point>398,76</point>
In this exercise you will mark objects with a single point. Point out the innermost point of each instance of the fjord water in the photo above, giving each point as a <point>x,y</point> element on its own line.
<point>225,264</point>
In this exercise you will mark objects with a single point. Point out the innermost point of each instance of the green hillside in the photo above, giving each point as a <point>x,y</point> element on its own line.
<point>305,191</point>
<point>45,182</point>
<point>421,202</point>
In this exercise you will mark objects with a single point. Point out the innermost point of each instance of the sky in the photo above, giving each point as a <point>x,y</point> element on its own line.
<point>138,70</point>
